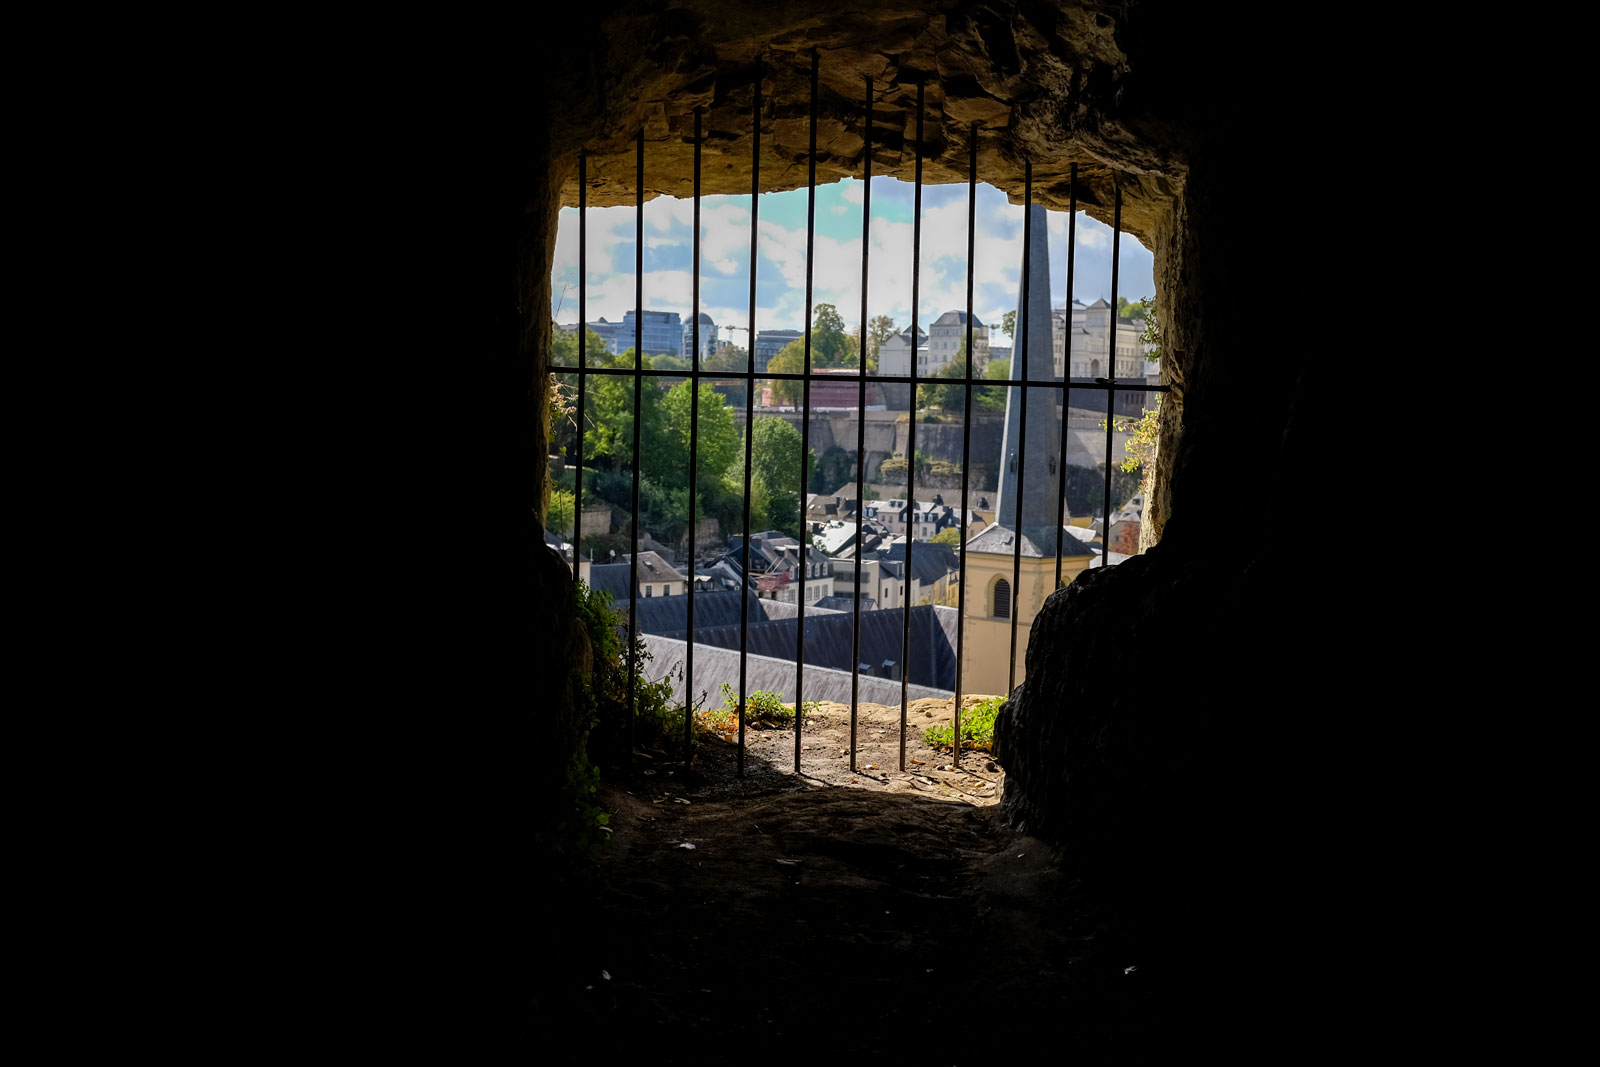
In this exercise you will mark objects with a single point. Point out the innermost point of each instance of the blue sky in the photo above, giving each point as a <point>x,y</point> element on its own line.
<point>781,262</point>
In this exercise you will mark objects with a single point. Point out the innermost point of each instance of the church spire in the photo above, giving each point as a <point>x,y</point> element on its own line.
<point>1034,343</point>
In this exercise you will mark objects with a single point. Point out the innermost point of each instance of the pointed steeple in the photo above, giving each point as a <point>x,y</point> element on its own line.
<point>1040,498</point>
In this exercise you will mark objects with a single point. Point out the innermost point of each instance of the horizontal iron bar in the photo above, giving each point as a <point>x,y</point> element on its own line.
<point>1125,384</point>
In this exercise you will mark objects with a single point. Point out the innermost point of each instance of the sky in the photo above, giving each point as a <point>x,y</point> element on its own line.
<point>781,260</point>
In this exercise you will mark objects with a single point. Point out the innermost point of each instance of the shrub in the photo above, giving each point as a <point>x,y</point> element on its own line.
<point>977,727</point>
<point>761,708</point>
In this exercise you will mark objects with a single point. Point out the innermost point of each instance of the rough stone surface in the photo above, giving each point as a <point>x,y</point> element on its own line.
<point>1043,81</point>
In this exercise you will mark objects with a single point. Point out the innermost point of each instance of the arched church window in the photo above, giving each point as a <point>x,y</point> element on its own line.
<point>1002,599</point>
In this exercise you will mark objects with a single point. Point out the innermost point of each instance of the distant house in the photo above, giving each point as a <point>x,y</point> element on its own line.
<point>894,355</point>
<point>776,565</point>
<point>946,336</point>
<point>657,577</point>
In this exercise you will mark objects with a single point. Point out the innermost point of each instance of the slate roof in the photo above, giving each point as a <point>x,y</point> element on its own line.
<point>670,614</point>
<point>652,568</point>
<point>956,318</point>
<point>931,561</point>
<point>830,638</point>
<point>713,666</point>
<point>611,578</point>
<point>1000,540</point>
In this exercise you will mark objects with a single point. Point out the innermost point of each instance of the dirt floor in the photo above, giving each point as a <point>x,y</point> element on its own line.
<point>783,917</point>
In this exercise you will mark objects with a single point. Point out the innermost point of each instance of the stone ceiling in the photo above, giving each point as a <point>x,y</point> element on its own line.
<point>1053,82</point>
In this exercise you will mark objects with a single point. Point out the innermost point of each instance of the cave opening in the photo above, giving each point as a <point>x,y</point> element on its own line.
<point>1147,789</point>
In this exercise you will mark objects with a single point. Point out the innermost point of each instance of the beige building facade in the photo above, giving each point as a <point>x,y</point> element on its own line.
<point>995,592</point>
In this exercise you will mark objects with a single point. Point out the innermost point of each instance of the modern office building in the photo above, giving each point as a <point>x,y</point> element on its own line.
<point>662,333</point>
<point>770,342</point>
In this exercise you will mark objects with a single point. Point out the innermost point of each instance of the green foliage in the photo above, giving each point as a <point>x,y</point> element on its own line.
<point>833,470</point>
<point>732,358</point>
<point>564,348</point>
<point>718,439</point>
<point>558,516</point>
<point>950,535</point>
<point>775,468</point>
<point>667,361</point>
<point>575,827</point>
<point>1141,444</point>
<point>1152,329</point>
<point>830,346</point>
<point>761,709</point>
<point>608,418</point>
<point>652,712</point>
<point>791,359</point>
<point>977,727</point>
<point>992,397</point>
<point>946,397</point>
<point>1086,489</point>
<point>879,330</point>
<point>1008,323</point>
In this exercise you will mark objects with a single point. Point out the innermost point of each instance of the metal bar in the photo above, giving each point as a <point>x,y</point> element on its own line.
<point>583,361</point>
<point>694,452</point>
<point>861,414</point>
<point>1066,355</point>
<point>796,376</point>
<point>966,440</point>
<point>911,439</point>
<point>749,404</point>
<point>638,418</point>
<point>805,425</point>
<point>1022,422</point>
<point>1111,392</point>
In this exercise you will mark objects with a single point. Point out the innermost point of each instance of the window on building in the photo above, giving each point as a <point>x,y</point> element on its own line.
<point>1002,599</point>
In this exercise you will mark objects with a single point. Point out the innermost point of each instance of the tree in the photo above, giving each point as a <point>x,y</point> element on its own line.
<point>718,437</point>
<point>1152,329</point>
<point>731,358</point>
<point>775,470</point>
<point>992,397</point>
<point>1008,324</point>
<point>558,516</point>
<point>947,397</point>
<point>879,330</point>
<point>564,348</point>
<point>1141,444</point>
<point>950,535</point>
<point>791,360</point>
<point>608,418</point>
<point>829,344</point>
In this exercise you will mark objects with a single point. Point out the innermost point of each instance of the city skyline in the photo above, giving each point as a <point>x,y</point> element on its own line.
<point>780,288</point>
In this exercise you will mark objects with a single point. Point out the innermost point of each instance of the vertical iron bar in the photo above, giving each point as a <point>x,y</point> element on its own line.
<point>911,439</point>
<point>1021,351</point>
<point>749,404</point>
<point>805,425</point>
<point>694,453</point>
<point>861,415</point>
<point>1111,370</point>
<point>638,417</point>
<point>583,362</point>
<point>966,439</point>
<point>1066,356</point>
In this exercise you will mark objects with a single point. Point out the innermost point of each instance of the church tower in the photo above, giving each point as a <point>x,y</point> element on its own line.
<point>1011,566</point>
<point>1037,456</point>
